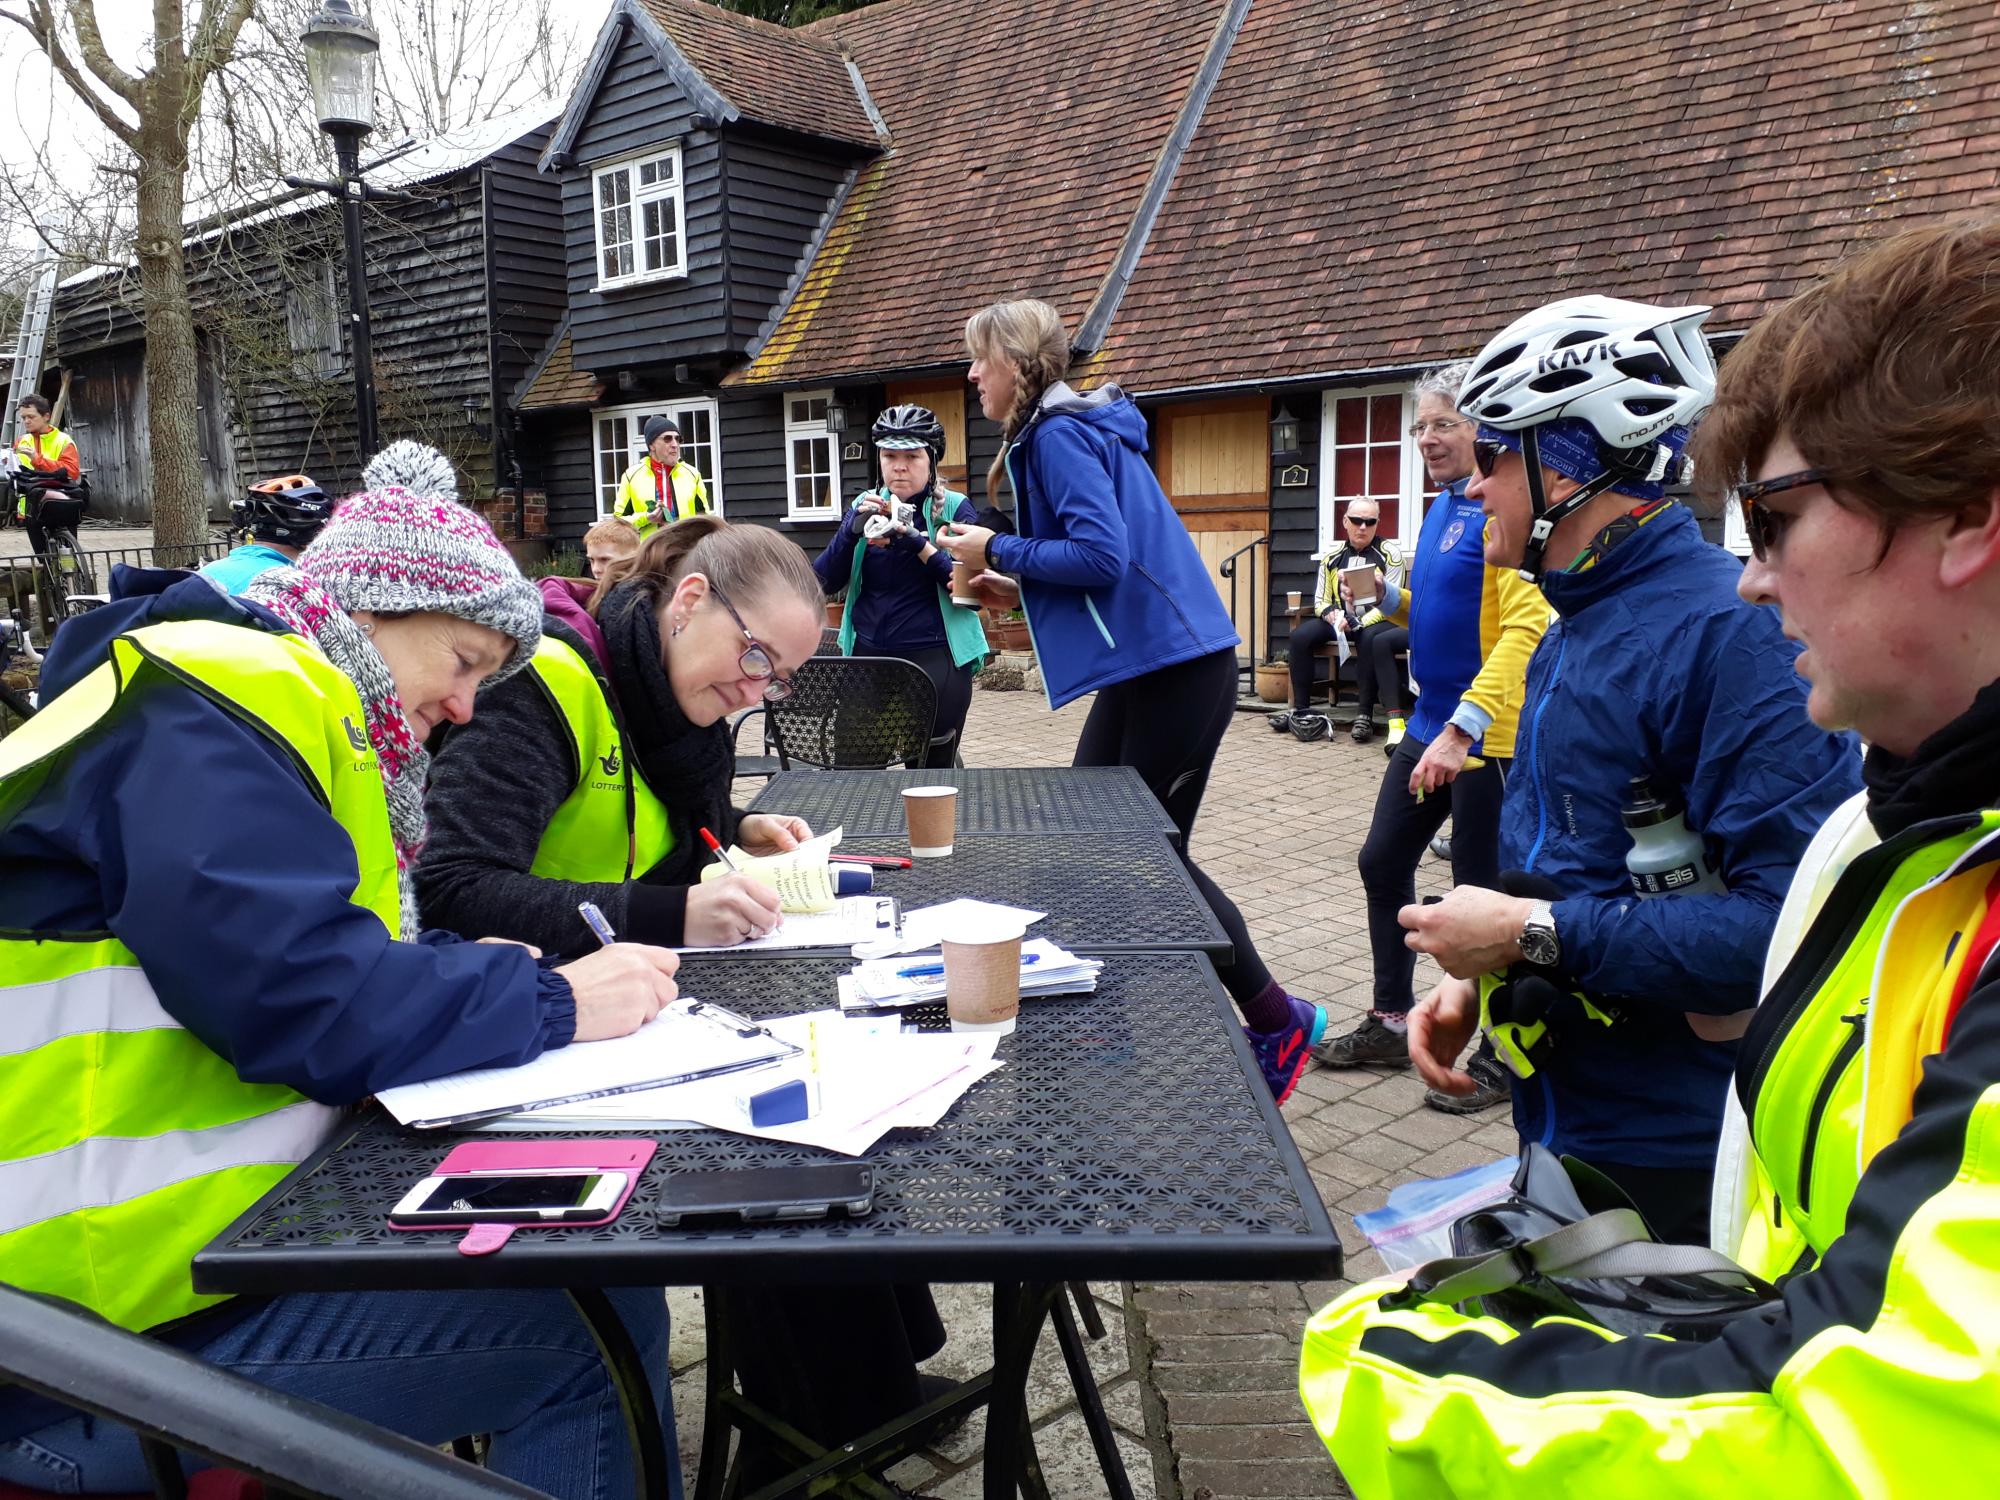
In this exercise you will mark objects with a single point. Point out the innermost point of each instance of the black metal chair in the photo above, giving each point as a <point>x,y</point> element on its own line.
<point>176,1402</point>
<point>848,713</point>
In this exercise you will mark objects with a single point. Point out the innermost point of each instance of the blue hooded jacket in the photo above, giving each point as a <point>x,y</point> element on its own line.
<point>1110,580</point>
<point>1656,667</point>
<point>190,837</point>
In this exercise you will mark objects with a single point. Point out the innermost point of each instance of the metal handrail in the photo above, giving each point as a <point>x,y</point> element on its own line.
<point>1227,568</point>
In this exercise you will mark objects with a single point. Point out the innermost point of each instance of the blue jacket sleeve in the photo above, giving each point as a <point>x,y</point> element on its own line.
<point>835,563</point>
<point>1760,778</point>
<point>221,870</point>
<point>1069,476</point>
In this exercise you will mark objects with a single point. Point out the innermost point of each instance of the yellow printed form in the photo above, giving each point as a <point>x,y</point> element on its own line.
<point>800,876</point>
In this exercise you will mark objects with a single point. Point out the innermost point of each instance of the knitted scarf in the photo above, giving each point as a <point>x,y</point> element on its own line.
<point>689,768</point>
<point>308,609</point>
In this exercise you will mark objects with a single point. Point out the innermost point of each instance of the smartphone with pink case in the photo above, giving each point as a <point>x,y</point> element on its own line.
<point>506,1173</point>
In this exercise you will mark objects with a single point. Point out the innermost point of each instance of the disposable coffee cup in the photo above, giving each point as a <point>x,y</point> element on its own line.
<point>982,974</point>
<point>1293,598</point>
<point>961,586</point>
<point>1360,581</point>
<point>931,812</point>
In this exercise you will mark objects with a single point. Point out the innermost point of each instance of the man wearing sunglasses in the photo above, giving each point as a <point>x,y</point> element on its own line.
<point>1655,669</point>
<point>1369,636</point>
<point>1859,1167</point>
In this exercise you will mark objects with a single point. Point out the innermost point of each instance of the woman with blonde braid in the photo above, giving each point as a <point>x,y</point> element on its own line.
<point>1120,605</point>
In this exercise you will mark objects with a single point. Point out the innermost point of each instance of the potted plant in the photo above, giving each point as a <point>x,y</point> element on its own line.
<point>1274,678</point>
<point>836,610</point>
<point>1009,631</point>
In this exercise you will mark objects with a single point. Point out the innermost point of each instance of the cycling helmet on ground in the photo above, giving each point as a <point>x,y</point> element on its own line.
<point>907,428</point>
<point>1624,378</point>
<point>289,510</point>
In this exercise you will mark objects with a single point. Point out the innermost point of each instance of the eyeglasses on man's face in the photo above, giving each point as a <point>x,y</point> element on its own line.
<point>755,662</point>
<point>1486,454</point>
<point>1766,527</point>
<point>1363,520</point>
<point>1441,426</point>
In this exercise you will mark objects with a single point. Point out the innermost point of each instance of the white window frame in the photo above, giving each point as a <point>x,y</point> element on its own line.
<point>809,431</point>
<point>633,448</point>
<point>1409,503</point>
<point>637,197</point>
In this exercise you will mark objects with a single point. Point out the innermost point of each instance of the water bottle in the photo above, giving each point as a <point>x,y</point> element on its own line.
<point>1666,857</point>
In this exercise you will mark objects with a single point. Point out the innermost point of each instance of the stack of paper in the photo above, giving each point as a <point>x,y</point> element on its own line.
<point>918,978</point>
<point>872,1080</point>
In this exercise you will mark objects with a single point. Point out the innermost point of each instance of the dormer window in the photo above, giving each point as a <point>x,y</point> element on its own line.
<point>641,226</point>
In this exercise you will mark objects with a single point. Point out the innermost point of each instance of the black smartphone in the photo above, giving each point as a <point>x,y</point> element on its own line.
<point>762,1194</point>
<point>512,1198</point>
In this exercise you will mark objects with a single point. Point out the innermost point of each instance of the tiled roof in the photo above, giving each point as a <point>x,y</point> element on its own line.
<point>771,74</point>
<point>1379,185</point>
<point>558,382</point>
<point>1375,186</point>
<point>1023,134</point>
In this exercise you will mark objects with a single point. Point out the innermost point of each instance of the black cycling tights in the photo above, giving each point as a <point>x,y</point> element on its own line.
<point>1167,726</point>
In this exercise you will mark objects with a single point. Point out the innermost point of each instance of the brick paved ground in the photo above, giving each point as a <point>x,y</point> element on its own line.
<point>1202,1379</point>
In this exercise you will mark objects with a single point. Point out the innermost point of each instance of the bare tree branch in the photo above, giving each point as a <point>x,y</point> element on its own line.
<point>40,24</point>
<point>90,46</point>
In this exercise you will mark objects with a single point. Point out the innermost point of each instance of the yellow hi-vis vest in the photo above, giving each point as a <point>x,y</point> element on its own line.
<point>1897,1401</point>
<point>126,1144</point>
<point>640,492</point>
<point>611,827</point>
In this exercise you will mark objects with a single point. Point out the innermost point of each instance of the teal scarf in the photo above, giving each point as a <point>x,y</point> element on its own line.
<point>962,630</point>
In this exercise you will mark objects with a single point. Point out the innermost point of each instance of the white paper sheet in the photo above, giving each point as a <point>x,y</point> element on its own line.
<point>854,919</point>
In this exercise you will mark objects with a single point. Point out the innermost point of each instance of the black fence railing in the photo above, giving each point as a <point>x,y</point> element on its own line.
<point>27,589</point>
<point>1253,625</point>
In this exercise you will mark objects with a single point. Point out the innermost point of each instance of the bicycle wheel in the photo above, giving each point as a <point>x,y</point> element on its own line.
<point>14,703</point>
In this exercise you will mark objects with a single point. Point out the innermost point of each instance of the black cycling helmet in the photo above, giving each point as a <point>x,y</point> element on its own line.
<point>290,509</point>
<point>908,428</point>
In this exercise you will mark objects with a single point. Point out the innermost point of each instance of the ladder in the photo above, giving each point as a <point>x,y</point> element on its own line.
<point>30,345</point>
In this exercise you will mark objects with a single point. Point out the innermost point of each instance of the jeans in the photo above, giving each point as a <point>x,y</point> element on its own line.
<point>1398,835</point>
<point>432,1366</point>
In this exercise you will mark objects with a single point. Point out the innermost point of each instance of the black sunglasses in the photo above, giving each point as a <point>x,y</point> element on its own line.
<point>1485,454</point>
<point>1363,520</point>
<point>755,661</point>
<point>1766,527</point>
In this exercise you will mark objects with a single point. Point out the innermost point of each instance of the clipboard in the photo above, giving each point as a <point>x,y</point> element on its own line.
<point>656,1056</point>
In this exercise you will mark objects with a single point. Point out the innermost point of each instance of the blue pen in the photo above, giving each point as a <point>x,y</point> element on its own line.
<point>594,920</point>
<point>921,970</point>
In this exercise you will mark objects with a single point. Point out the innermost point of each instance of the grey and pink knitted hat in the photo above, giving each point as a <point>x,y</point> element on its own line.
<point>394,551</point>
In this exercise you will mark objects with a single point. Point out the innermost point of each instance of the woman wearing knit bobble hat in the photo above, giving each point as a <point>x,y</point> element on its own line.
<point>207,840</point>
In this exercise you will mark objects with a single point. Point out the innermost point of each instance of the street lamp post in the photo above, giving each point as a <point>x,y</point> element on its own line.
<point>341,50</point>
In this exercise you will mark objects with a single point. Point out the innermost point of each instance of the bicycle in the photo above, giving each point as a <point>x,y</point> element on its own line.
<point>72,586</point>
<point>16,706</point>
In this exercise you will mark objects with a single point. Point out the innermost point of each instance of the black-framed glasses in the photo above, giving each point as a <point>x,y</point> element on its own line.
<point>1766,527</point>
<point>756,660</point>
<point>1364,520</point>
<point>1486,454</point>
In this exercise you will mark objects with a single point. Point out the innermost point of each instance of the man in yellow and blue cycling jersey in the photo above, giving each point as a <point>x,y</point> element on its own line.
<point>1859,426</point>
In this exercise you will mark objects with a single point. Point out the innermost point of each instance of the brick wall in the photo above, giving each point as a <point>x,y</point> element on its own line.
<point>500,511</point>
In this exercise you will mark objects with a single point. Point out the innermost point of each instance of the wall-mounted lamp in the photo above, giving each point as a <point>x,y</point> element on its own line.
<point>1284,434</point>
<point>481,430</point>
<point>836,418</point>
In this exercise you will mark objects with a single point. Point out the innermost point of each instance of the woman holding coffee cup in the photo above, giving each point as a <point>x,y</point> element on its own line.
<point>898,580</point>
<point>1121,605</point>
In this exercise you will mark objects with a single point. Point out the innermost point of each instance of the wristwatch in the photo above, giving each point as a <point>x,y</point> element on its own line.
<point>1539,944</point>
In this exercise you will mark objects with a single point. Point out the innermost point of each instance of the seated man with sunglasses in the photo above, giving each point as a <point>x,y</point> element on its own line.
<point>1373,638</point>
<point>1859,1163</point>
<point>1655,669</point>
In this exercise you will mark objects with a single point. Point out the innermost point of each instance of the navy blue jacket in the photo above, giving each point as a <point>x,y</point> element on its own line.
<point>190,837</point>
<point>897,608</point>
<point>1657,667</point>
<point>1110,580</point>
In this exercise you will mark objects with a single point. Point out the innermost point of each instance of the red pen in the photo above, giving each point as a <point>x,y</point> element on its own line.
<point>877,861</point>
<point>719,852</point>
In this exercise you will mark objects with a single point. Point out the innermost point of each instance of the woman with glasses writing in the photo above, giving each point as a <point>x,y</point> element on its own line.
<point>590,776</point>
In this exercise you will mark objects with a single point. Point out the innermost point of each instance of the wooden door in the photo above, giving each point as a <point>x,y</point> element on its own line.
<point>947,399</point>
<point>1213,459</point>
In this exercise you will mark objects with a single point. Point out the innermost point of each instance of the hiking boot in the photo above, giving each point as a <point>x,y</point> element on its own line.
<point>1363,730</point>
<point>1309,727</point>
<point>1370,1042</point>
<point>1394,739</point>
<point>1282,1054</point>
<point>1495,1087</point>
<point>1279,721</point>
<point>1441,846</point>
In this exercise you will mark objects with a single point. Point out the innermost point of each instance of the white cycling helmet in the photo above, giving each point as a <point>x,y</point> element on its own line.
<point>1629,369</point>
<point>1633,373</point>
